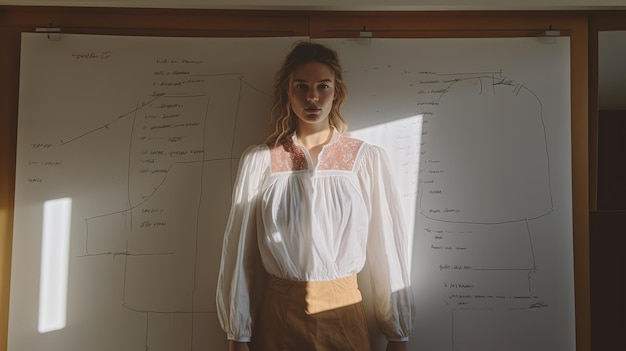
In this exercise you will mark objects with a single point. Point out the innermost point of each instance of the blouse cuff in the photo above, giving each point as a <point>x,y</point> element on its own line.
<point>239,339</point>
<point>399,339</point>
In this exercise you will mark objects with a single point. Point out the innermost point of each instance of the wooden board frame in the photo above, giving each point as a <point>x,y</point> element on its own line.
<point>598,21</point>
<point>317,24</point>
<point>604,224</point>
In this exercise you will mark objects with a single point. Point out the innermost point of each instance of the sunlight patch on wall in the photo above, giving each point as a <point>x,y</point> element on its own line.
<point>54,264</point>
<point>402,140</point>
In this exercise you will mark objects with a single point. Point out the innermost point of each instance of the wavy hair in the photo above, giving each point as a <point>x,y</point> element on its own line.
<point>283,121</point>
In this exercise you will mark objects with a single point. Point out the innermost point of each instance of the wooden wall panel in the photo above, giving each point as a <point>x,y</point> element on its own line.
<point>607,197</point>
<point>611,161</point>
<point>608,281</point>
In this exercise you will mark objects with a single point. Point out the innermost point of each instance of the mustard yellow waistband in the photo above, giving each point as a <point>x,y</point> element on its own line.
<point>317,296</point>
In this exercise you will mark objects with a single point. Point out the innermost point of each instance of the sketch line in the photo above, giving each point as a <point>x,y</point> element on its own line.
<point>234,135</point>
<point>124,253</point>
<point>504,269</point>
<point>146,347</point>
<point>125,274</point>
<point>165,312</point>
<point>532,248</point>
<point>106,126</point>
<point>468,73</point>
<point>545,143</point>
<point>198,216</point>
<point>130,208</point>
<point>128,177</point>
<point>423,213</point>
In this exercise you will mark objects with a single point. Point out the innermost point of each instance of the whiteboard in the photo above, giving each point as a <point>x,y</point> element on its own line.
<point>143,136</point>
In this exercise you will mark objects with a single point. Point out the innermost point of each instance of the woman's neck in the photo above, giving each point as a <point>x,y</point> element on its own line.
<point>311,138</point>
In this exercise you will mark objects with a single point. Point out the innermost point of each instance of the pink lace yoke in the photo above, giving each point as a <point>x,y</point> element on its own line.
<point>339,154</point>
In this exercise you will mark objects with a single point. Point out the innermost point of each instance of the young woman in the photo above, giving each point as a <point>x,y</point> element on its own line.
<point>311,206</point>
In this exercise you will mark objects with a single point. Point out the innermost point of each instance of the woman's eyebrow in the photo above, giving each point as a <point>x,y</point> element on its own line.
<point>325,80</point>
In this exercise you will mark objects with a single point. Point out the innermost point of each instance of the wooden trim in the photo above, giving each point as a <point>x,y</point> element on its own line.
<point>233,23</point>
<point>593,120</point>
<point>598,21</point>
<point>604,224</point>
<point>580,180</point>
<point>474,24</point>
<point>161,22</point>
<point>9,70</point>
<point>607,20</point>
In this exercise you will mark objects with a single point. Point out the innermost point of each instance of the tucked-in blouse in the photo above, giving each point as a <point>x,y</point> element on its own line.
<point>305,222</point>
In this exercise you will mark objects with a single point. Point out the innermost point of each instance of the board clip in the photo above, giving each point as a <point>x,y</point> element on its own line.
<point>54,34</point>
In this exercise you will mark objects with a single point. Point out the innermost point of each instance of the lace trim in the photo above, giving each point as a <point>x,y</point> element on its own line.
<point>287,157</point>
<point>339,155</point>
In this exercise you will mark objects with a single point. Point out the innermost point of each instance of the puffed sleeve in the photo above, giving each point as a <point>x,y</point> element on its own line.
<point>387,246</point>
<point>241,276</point>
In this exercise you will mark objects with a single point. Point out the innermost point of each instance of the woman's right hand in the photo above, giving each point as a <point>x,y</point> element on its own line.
<point>237,346</point>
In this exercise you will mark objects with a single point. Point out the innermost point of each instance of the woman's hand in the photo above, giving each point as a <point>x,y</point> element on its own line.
<point>237,346</point>
<point>396,346</point>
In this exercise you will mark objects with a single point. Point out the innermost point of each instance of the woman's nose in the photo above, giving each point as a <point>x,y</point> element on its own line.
<point>312,98</point>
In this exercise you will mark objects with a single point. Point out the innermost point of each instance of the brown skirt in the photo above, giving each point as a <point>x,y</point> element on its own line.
<point>311,316</point>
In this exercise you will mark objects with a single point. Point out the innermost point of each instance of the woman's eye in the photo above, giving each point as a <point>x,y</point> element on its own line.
<point>324,86</point>
<point>301,86</point>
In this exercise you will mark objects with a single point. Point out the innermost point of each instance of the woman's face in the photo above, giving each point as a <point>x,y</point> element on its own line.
<point>312,93</point>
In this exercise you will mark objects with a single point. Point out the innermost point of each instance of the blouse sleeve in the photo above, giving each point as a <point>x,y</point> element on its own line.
<point>241,272</point>
<point>387,251</point>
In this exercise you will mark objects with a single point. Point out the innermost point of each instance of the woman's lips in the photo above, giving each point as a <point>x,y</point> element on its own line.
<point>312,109</point>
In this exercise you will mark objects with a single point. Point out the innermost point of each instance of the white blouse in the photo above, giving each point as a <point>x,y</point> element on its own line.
<point>302,222</point>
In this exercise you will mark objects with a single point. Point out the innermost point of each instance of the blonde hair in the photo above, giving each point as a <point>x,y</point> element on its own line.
<point>283,121</point>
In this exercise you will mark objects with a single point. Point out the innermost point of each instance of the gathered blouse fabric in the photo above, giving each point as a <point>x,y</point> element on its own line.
<point>302,221</point>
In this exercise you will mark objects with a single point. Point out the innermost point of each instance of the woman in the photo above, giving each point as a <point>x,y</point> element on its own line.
<point>308,205</point>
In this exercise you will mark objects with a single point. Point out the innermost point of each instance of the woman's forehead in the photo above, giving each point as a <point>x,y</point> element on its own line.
<point>313,71</point>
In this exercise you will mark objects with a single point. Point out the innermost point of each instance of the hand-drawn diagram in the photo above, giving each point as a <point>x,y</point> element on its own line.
<point>484,194</point>
<point>151,179</point>
<point>508,172</point>
<point>146,144</point>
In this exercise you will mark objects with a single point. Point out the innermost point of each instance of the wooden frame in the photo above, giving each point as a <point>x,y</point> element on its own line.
<point>604,224</point>
<point>598,21</point>
<point>231,23</point>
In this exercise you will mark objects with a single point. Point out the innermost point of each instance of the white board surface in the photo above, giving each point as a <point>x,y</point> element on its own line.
<point>144,134</point>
